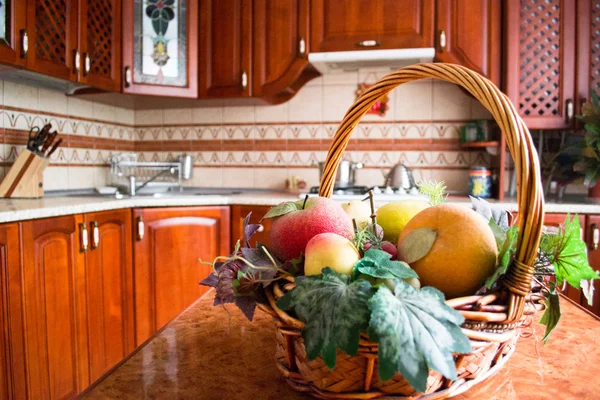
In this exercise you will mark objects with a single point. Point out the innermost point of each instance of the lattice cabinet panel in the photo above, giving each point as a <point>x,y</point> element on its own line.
<point>594,73</point>
<point>100,43</point>
<point>541,61</point>
<point>52,37</point>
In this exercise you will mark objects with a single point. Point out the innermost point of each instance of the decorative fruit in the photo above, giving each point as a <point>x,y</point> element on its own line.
<point>358,210</point>
<point>330,250</point>
<point>463,254</point>
<point>291,232</point>
<point>390,248</point>
<point>394,216</point>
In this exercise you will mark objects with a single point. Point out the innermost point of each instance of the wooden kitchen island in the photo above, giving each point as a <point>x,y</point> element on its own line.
<point>203,354</point>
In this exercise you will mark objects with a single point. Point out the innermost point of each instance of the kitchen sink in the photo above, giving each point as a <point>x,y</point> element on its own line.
<point>185,193</point>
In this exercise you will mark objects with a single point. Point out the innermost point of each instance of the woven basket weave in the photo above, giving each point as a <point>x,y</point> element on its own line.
<point>492,321</point>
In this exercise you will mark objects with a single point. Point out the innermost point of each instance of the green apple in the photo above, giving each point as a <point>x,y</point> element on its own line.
<point>330,250</point>
<point>358,210</point>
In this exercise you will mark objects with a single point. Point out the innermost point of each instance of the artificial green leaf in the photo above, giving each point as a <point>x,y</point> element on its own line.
<point>335,312</point>
<point>499,233</point>
<point>416,244</point>
<point>505,253</point>
<point>570,259</point>
<point>489,211</point>
<point>377,263</point>
<point>416,331</point>
<point>284,208</point>
<point>551,314</point>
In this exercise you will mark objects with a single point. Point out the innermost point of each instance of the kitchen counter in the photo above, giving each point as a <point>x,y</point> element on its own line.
<point>53,206</point>
<point>204,354</point>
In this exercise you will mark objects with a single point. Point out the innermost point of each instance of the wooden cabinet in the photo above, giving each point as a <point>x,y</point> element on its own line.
<point>13,17</point>
<point>281,31</point>
<point>226,48</point>
<point>109,277</point>
<point>12,350</point>
<point>160,48</point>
<point>540,61</point>
<point>100,43</point>
<point>239,213</point>
<point>469,34</point>
<point>169,244</point>
<point>339,25</point>
<point>52,37</point>
<point>54,307</point>
<point>588,55</point>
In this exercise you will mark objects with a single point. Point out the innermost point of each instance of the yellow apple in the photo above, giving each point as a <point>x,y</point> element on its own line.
<point>358,210</point>
<point>330,250</point>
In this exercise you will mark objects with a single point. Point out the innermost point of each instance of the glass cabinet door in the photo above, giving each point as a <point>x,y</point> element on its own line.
<point>12,29</point>
<point>159,51</point>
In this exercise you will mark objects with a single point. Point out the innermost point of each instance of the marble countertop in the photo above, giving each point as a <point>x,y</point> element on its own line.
<point>52,206</point>
<point>204,354</point>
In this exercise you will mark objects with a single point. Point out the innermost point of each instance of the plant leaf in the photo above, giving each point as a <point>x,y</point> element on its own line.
<point>489,211</point>
<point>570,261</point>
<point>335,312</point>
<point>416,244</point>
<point>505,253</point>
<point>416,331</point>
<point>551,314</point>
<point>249,229</point>
<point>499,233</point>
<point>284,208</point>
<point>377,263</point>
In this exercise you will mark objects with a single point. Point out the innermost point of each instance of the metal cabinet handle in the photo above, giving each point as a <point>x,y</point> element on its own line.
<point>442,40</point>
<point>244,80</point>
<point>83,232</point>
<point>595,236</point>
<point>140,228</point>
<point>95,235</point>
<point>77,61</point>
<point>87,64</point>
<point>570,110</point>
<point>24,43</point>
<point>302,46</point>
<point>368,43</point>
<point>128,76</point>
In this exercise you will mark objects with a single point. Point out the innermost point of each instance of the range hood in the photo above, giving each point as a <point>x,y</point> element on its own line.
<point>352,60</point>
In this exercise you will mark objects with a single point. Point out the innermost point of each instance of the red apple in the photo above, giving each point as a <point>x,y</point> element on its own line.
<point>290,233</point>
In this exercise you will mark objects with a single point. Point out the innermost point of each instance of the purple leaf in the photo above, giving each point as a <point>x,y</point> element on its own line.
<point>249,229</point>
<point>218,300</point>
<point>210,280</point>
<point>247,305</point>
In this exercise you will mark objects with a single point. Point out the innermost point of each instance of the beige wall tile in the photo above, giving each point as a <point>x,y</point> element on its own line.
<point>341,78</point>
<point>450,102</point>
<point>234,177</point>
<point>238,114</point>
<point>336,101</point>
<point>270,178</point>
<point>79,108</point>
<point>310,175</point>
<point>148,117</point>
<point>307,105</point>
<point>478,111</point>
<point>177,116</point>
<point>278,113</point>
<point>455,180</point>
<point>124,116</point>
<point>22,96</point>
<point>104,112</point>
<point>413,101</point>
<point>207,115</point>
<point>56,178</point>
<point>52,101</point>
<point>206,177</point>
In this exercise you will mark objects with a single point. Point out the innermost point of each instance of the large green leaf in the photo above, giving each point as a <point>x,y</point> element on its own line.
<point>551,314</point>
<point>284,208</point>
<point>335,312</point>
<point>416,331</point>
<point>377,263</point>
<point>570,262</point>
<point>505,253</point>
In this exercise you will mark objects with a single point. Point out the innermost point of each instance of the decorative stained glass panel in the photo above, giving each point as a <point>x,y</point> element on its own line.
<point>160,46</point>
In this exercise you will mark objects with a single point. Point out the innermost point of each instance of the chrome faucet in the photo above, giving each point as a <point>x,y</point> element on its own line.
<point>132,181</point>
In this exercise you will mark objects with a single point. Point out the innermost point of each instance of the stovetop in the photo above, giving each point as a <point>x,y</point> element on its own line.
<point>360,192</point>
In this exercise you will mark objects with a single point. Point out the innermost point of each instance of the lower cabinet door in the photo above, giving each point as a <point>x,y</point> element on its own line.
<point>169,245</point>
<point>109,274</point>
<point>54,299</point>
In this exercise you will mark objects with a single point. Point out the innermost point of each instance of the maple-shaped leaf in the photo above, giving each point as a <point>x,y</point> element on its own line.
<point>249,229</point>
<point>551,314</point>
<point>570,260</point>
<point>334,310</point>
<point>377,263</point>
<point>416,331</point>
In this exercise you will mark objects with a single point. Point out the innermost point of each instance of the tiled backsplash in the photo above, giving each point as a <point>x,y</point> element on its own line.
<point>256,146</point>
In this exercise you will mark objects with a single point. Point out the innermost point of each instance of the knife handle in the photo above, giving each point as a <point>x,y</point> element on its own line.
<point>53,149</point>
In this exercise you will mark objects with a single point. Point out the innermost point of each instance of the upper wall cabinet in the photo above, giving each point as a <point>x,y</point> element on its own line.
<point>160,47</point>
<point>12,27</point>
<point>588,50</point>
<point>338,25</point>
<point>281,31</point>
<point>225,48</point>
<point>100,43</point>
<point>52,38</point>
<point>469,34</point>
<point>540,61</point>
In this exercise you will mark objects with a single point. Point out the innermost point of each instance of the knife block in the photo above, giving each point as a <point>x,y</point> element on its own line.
<point>26,176</point>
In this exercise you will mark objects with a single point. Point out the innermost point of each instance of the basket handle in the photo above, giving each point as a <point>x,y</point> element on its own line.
<point>529,197</point>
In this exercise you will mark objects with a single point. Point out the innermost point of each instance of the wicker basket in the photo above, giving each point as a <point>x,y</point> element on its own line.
<point>492,321</point>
